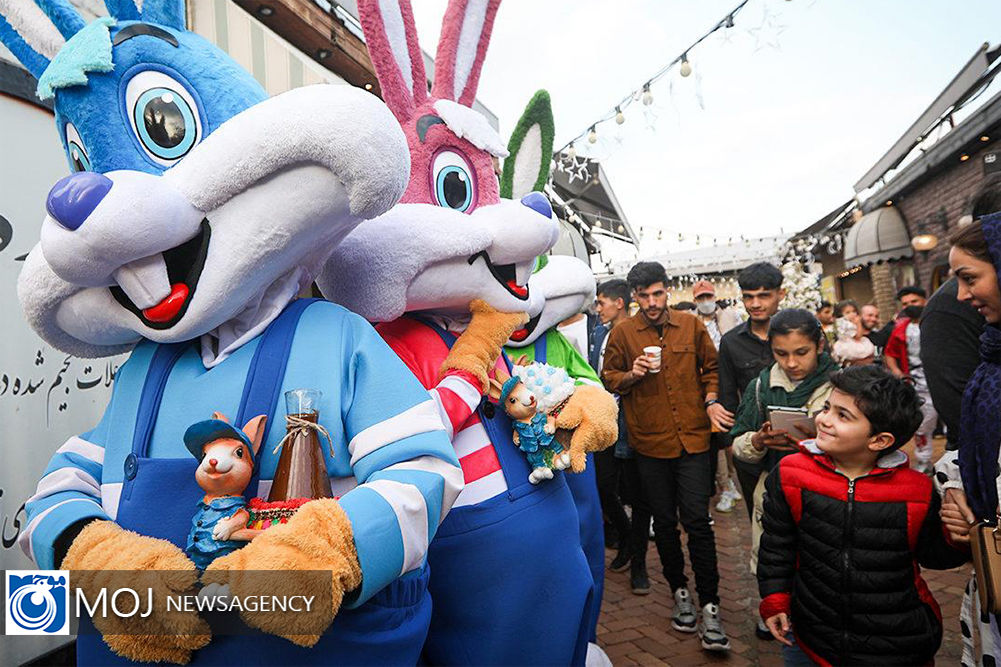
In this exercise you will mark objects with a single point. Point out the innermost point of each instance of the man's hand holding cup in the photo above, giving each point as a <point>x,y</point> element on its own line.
<point>652,355</point>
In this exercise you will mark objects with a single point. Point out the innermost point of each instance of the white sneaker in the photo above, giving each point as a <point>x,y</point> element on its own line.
<point>711,631</point>
<point>731,488</point>
<point>725,503</point>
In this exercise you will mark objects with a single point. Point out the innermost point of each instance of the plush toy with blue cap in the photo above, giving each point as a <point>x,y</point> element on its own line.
<point>533,398</point>
<point>226,464</point>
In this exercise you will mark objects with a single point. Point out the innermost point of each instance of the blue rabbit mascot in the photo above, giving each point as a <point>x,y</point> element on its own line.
<point>197,211</point>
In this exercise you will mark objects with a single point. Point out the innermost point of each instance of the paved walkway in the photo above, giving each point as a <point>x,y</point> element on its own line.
<point>636,630</point>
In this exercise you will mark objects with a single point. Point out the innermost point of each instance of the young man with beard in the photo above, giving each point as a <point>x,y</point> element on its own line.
<point>743,353</point>
<point>663,365</point>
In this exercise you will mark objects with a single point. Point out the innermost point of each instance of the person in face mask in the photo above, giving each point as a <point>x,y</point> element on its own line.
<point>902,357</point>
<point>718,321</point>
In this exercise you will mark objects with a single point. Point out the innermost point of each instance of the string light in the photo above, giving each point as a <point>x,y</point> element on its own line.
<point>644,94</point>
<point>571,152</point>
<point>592,135</point>
<point>686,67</point>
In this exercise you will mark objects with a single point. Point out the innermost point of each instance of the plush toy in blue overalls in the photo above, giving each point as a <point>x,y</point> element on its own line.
<point>198,210</point>
<point>225,457</point>
<point>534,431</point>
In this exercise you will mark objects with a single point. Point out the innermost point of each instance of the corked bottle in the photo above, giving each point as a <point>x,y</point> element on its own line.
<point>302,470</point>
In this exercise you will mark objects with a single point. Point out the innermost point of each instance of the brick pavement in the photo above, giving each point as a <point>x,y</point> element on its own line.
<point>636,630</point>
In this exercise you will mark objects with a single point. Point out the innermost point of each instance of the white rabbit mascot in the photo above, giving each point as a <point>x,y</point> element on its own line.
<point>198,211</point>
<point>510,582</point>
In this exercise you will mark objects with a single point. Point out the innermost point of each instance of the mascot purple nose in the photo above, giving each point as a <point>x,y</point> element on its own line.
<point>538,203</point>
<point>74,197</point>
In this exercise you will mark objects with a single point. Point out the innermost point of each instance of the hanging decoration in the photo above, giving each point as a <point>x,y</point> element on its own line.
<point>802,287</point>
<point>567,159</point>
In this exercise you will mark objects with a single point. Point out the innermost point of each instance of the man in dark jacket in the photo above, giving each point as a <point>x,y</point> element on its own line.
<point>847,527</point>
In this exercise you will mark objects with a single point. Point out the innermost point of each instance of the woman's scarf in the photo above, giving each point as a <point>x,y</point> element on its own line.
<point>749,417</point>
<point>980,419</point>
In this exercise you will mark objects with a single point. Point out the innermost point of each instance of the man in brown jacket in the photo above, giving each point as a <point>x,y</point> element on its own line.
<point>669,405</point>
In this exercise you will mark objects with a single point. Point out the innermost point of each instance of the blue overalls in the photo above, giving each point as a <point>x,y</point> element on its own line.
<point>202,547</point>
<point>387,629</point>
<point>584,488</point>
<point>486,564</point>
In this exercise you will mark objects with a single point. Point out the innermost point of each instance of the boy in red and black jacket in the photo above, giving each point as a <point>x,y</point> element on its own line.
<point>847,528</point>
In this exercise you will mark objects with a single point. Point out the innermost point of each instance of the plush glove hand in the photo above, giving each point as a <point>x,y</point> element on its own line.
<point>97,558</point>
<point>284,560</point>
<point>593,417</point>
<point>478,348</point>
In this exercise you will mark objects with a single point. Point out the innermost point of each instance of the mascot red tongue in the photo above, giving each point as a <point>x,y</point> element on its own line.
<point>171,305</point>
<point>263,188</point>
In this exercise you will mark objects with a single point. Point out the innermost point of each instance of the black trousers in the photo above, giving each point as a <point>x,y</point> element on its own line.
<point>639,529</point>
<point>679,488</point>
<point>608,471</point>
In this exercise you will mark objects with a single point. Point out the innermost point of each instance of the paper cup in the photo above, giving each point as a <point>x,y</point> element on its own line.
<point>652,353</point>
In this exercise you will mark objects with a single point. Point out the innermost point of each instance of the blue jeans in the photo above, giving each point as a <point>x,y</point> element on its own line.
<point>793,656</point>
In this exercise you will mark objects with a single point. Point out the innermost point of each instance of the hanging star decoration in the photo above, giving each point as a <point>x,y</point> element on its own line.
<point>766,34</point>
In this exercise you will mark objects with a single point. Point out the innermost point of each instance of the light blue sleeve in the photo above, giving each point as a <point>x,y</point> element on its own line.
<point>401,455</point>
<point>69,491</point>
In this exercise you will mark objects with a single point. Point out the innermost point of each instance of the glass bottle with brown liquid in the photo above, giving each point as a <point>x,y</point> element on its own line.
<point>302,470</point>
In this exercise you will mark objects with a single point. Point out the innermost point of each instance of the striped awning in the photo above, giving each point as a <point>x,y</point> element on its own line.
<point>880,236</point>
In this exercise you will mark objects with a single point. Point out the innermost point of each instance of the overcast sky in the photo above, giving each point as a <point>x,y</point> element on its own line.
<point>784,133</point>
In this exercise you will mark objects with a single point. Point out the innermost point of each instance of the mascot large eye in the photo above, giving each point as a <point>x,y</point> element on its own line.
<point>452,181</point>
<point>79,160</point>
<point>164,116</point>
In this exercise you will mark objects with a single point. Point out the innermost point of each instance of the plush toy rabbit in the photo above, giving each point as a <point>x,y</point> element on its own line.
<point>198,211</point>
<point>453,241</point>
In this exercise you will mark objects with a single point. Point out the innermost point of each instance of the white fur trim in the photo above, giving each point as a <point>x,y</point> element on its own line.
<point>396,35</point>
<point>422,418</point>
<point>34,27</point>
<point>527,163</point>
<point>469,44</point>
<point>412,515</point>
<point>470,125</point>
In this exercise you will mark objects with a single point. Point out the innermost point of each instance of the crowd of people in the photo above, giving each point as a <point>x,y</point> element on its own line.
<point>801,416</point>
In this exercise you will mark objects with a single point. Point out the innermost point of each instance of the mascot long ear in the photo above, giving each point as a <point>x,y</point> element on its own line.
<point>36,31</point>
<point>168,13</point>
<point>531,148</point>
<point>392,44</point>
<point>465,36</point>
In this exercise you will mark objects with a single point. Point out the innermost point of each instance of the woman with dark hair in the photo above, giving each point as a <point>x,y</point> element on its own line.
<point>969,478</point>
<point>798,378</point>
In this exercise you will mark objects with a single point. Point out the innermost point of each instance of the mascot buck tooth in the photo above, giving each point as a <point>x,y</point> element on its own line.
<point>454,256</point>
<point>198,212</point>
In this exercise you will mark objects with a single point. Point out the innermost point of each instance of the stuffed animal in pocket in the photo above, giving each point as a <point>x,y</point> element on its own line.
<point>532,398</point>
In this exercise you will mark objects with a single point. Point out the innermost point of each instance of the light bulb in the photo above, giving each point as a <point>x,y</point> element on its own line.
<point>592,135</point>
<point>647,95</point>
<point>571,152</point>
<point>686,67</point>
<point>620,118</point>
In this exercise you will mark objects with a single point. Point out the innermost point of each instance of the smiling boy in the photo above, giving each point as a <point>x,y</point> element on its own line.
<point>846,526</point>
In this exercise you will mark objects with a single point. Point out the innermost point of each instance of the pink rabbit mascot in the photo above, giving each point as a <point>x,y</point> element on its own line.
<point>448,266</point>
